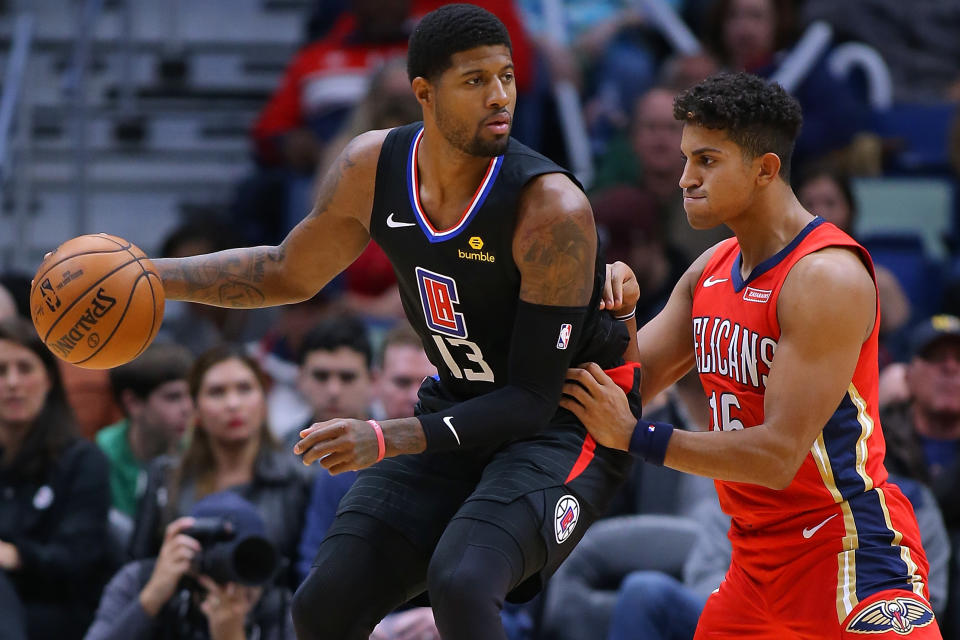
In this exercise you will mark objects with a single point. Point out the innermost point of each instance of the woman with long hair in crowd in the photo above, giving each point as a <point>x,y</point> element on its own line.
<point>231,448</point>
<point>54,498</point>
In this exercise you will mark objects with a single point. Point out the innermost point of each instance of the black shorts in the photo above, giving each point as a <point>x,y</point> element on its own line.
<point>560,477</point>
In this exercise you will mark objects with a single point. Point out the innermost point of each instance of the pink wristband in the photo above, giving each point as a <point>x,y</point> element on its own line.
<point>381,445</point>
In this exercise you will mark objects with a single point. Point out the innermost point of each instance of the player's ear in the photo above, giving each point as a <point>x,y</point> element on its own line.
<point>422,89</point>
<point>769,168</point>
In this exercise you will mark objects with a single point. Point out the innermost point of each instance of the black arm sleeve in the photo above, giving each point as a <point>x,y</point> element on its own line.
<point>542,344</point>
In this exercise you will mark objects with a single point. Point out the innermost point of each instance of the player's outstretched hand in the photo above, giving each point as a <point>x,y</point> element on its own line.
<point>620,290</point>
<point>600,404</point>
<point>340,445</point>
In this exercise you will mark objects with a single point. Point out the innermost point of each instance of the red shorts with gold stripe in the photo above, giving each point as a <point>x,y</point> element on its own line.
<point>814,576</point>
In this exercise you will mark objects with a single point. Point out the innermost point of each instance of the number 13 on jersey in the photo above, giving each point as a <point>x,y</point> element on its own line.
<point>438,295</point>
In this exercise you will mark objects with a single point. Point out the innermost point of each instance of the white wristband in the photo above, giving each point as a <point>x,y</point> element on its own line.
<point>626,317</point>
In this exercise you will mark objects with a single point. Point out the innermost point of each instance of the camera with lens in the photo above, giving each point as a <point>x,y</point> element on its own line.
<point>225,557</point>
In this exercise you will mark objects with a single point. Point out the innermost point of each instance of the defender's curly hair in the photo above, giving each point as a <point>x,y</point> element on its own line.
<point>758,116</point>
<point>448,30</point>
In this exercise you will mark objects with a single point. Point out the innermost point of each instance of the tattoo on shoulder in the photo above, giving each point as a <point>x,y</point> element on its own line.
<point>331,181</point>
<point>557,262</point>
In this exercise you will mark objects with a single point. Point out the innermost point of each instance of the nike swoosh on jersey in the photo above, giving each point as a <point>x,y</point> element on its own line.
<point>448,420</point>
<point>396,224</point>
<point>808,533</point>
<point>710,281</point>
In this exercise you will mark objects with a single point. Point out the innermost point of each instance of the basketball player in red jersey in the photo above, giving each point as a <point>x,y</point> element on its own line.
<point>785,321</point>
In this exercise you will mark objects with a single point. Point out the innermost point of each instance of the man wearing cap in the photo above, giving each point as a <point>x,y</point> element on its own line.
<point>924,432</point>
<point>164,597</point>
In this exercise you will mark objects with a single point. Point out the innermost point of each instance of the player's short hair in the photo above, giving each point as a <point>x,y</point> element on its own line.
<point>758,116</point>
<point>159,364</point>
<point>448,30</point>
<point>335,332</point>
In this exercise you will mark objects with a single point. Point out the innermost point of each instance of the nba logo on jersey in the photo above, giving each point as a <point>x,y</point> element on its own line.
<point>563,341</point>
<point>438,294</point>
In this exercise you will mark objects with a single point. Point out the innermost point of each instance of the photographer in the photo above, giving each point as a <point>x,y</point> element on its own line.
<point>168,597</point>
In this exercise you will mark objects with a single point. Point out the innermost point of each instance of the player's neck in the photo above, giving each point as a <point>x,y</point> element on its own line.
<point>771,223</point>
<point>448,179</point>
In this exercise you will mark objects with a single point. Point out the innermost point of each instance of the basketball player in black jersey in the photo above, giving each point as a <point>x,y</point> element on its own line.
<point>482,494</point>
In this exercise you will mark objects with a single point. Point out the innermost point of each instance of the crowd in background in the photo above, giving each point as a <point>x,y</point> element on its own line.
<point>103,475</point>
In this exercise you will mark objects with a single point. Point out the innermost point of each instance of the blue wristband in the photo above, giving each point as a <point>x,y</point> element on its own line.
<point>649,441</point>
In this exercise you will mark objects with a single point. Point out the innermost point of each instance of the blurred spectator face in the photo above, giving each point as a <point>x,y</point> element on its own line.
<point>473,101</point>
<point>749,31</point>
<point>8,308</point>
<point>165,413</point>
<point>336,384</point>
<point>404,368</point>
<point>656,133</point>
<point>822,196</point>
<point>24,384</point>
<point>685,70</point>
<point>933,377</point>
<point>231,404</point>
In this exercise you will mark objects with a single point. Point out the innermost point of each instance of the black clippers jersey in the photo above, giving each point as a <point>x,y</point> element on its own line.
<point>460,286</point>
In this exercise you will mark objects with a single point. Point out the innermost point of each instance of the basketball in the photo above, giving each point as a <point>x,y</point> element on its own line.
<point>96,301</point>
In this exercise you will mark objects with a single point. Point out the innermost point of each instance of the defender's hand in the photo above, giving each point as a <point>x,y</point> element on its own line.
<point>600,404</point>
<point>620,290</point>
<point>341,445</point>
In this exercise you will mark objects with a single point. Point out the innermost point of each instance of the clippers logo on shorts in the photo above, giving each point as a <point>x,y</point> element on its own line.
<point>438,294</point>
<point>757,295</point>
<point>900,615</point>
<point>563,341</point>
<point>565,517</point>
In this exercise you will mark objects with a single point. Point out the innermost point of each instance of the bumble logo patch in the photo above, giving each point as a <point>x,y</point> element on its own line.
<point>475,243</point>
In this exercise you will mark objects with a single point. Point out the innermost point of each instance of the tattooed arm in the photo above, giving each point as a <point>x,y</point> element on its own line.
<point>313,253</point>
<point>555,243</point>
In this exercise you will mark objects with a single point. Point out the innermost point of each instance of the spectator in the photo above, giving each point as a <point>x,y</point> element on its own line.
<point>56,493</point>
<point>155,397</point>
<point>753,36</point>
<point>403,366</point>
<point>336,378</point>
<point>630,227</point>
<point>829,195</point>
<point>924,432</point>
<point>649,161</point>
<point>163,597</point>
<point>276,351</point>
<point>326,79</point>
<point>8,307</point>
<point>231,447</point>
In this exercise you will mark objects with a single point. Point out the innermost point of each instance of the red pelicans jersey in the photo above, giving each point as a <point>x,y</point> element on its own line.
<point>735,330</point>
<point>839,532</point>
